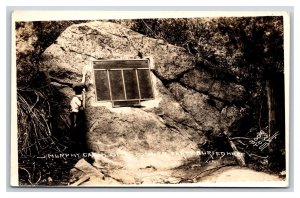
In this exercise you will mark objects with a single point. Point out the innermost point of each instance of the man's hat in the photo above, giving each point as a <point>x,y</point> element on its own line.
<point>78,87</point>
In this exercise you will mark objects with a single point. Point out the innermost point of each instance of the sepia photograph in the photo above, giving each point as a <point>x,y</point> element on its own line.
<point>154,99</point>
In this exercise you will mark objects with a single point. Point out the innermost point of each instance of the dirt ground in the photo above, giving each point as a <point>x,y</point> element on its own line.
<point>147,172</point>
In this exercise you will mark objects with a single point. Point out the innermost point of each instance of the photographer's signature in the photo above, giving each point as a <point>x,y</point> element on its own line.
<point>262,140</point>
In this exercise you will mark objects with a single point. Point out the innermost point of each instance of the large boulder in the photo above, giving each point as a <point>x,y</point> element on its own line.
<point>103,40</point>
<point>188,101</point>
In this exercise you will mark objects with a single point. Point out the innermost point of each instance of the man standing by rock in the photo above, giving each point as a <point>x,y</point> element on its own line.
<point>77,115</point>
<point>77,103</point>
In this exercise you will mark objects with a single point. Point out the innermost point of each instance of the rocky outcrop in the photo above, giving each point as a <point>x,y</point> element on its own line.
<point>224,91</point>
<point>188,100</point>
<point>102,40</point>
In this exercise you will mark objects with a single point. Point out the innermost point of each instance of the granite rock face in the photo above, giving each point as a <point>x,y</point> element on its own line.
<point>103,40</point>
<point>188,100</point>
<point>224,91</point>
